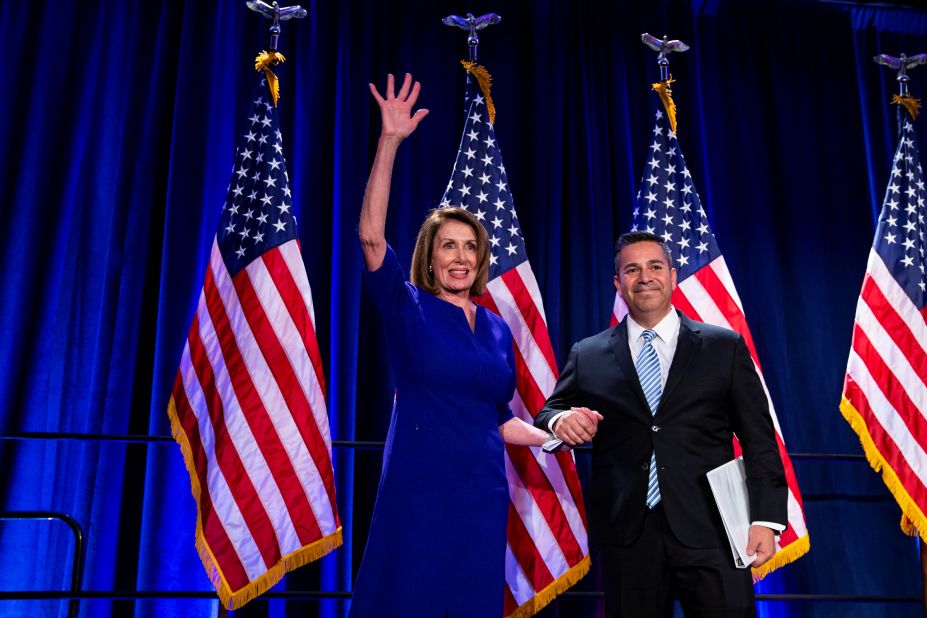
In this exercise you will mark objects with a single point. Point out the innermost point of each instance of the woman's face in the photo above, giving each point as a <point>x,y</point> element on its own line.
<point>454,258</point>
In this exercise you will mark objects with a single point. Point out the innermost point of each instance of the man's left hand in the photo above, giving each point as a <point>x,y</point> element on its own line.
<point>762,542</point>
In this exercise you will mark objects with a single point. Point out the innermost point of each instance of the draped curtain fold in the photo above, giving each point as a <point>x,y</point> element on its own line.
<point>117,124</point>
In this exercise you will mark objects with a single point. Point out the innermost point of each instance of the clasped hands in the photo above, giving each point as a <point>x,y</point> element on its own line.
<point>577,425</point>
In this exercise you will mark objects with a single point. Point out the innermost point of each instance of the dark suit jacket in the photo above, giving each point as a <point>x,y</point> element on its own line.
<point>712,391</point>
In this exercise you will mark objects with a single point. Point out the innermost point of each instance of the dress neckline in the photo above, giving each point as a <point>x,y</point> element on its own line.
<point>463,313</point>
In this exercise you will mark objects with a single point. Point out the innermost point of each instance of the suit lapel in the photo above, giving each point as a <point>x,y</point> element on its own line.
<point>622,352</point>
<point>687,345</point>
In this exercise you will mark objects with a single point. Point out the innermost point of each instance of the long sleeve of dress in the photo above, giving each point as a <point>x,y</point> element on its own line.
<point>387,286</point>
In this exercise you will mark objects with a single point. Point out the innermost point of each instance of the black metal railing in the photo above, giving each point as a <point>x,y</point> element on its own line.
<point>77,563</point>
<point>356,444</point>
<point>75,594</point>
<point>318,595</point>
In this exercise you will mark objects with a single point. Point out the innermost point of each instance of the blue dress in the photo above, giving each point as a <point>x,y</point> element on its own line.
<point>437,539</point>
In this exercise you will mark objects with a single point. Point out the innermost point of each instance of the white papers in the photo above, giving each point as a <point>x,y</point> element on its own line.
<point>553,444</point>
<point>729,486</point>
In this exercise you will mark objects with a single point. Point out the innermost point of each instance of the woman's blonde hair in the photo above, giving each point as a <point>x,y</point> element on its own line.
<point>424,247</point>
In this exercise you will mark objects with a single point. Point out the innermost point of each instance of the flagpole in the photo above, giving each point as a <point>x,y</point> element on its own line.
<point>275,13</point>
<point>664,47</point>
<point>557,533</point>
<point>667,187</point>
<point>471,24</point>
<point>902,64</point>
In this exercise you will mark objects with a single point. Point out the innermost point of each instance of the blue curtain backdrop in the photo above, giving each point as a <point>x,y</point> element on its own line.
<point>117,122</point>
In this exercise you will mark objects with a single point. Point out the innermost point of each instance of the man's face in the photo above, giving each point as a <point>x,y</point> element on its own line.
<point>645,282</point>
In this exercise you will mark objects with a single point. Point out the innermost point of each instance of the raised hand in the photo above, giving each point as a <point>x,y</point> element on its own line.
<point>398,121</point>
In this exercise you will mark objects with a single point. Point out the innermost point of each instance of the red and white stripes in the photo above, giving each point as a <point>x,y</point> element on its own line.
<point>885,390</point>
<point>248,408</point>
<point>548,548</point>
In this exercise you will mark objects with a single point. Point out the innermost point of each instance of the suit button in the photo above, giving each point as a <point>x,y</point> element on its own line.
<point>645,466</point>
<point>655,428</point>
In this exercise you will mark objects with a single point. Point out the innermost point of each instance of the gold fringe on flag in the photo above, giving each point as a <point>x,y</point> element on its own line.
<point>484,79</point>
<point>263,62</point>
<point>543,597</point>
<point>234,599</point>
<point>909,103</point>
<point>301,557</point>
<point>913,521</point>
<point>666,95</point>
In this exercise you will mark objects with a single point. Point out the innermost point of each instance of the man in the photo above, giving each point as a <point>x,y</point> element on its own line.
<point>660,396</point>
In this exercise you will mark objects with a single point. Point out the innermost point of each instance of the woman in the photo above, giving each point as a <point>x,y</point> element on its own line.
<point>437,539</point>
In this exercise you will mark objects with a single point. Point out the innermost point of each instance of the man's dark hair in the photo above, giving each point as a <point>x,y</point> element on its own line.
<point>632,238</point>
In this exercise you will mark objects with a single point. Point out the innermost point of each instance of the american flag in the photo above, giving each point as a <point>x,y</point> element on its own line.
<point>669,206</point>
<point>885,390</point>
<point>547,549</point>
<point>248,403</point>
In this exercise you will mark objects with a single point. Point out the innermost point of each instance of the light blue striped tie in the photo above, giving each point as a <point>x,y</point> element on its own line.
<point>648,371</point>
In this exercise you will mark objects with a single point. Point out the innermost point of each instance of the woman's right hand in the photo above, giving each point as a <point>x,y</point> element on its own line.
<point>398,121</point>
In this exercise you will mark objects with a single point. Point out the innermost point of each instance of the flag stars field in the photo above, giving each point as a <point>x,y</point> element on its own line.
<point>481,162</point>
<point>687,230</point>
<point>903,233</point>
<point>256,167</point>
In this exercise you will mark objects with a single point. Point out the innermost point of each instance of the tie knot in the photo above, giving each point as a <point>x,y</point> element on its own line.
<point>648,335</point>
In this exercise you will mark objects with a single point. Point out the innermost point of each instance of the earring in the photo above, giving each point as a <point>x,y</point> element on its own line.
<point>430,269</point>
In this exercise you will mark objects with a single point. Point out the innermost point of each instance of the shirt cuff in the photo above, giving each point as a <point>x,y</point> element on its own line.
<point>777,528</point>
<point>550,424</point>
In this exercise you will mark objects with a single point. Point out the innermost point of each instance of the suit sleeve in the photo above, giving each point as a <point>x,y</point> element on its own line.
<point>565,394</point>
<point>766,484</point>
